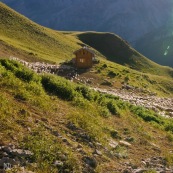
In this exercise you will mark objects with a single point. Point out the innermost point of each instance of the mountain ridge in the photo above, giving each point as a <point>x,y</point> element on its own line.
<point>76,17</point>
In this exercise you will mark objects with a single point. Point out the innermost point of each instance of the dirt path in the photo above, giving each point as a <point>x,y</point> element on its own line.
<point>163,106</point>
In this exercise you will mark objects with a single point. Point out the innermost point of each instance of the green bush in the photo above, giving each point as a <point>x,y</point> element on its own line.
<point>115,134</point>
<point>113,108</point>
<point>9,65</point>
<point>110,96</point>
<point>58,86</point>
<point>104,66</point>
<point>25,75</point>
<point>145,114</point>
<point>102,100</point>
<point>86,92</point>
<point>169,126</point>
<point>19,70</point>
<point>112,74</point>
<point>104,112</point>
<point>80,102</point>
<point>122,105</point>
<point>35,88</point>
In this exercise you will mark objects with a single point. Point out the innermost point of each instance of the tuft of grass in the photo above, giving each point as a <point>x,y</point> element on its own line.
<point>19,71</point>
<point>169,159</point>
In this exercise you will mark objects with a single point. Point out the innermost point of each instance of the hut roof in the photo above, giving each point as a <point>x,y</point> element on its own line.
<point>84,48</point>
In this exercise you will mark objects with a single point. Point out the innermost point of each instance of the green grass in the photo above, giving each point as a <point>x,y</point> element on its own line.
<point>34,40</point>
<point>39,102</point>
<point>117,75</point>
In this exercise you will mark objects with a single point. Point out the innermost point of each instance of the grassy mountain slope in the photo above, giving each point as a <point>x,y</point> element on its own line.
<point>60,120</point>
<point>29,39</point>
<point>117,50</point>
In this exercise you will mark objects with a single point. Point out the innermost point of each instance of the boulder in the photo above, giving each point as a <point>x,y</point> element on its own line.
<point>125,143</point>
<point>58,163</point>
<point>113,144</point>
<point>90,161</point>
<point>98,152</point>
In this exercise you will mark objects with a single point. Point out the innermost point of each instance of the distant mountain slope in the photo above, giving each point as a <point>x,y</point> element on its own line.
<point>128,18</point>
<point>158,45</point>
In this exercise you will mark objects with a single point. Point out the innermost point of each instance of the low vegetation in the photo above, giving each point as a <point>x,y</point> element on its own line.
<point>38,106</point>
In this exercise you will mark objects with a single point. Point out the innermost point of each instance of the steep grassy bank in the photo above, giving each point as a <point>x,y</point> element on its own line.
<point>32,40</point>
<point>52,117</point>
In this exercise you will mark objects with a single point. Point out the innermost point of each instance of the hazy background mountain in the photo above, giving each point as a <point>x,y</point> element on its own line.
<point>158,45</point>
<point>131,19</point>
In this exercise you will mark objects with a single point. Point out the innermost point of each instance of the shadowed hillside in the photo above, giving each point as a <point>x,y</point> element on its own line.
<point>118,50</point>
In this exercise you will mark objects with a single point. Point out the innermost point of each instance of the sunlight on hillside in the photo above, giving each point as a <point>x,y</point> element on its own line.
<point>166,52</point>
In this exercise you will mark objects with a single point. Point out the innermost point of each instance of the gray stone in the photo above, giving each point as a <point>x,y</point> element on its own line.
<point>97,152</point>
<point>98,144</point>
<point>90,161</point>
<point>113,144</point>
<point>4,154</point>
<point>140,170</point>
<point>21,153</point>
<point>17,152</point>
<point>7,160</point>
<point>91,144</point>
<point>7,149</point>
<point>79,146</point>
<point>58,163</point>
<point>125,143</point>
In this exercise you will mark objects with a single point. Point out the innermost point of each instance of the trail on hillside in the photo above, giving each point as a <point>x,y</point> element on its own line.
<point>162,106</point>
